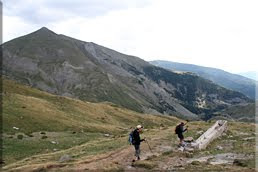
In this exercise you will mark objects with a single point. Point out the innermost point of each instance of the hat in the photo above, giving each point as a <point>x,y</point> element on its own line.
<point>139,126</point>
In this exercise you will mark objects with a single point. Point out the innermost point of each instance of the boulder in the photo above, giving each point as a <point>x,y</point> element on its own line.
<point>65,158</point>
<point>189,139</point>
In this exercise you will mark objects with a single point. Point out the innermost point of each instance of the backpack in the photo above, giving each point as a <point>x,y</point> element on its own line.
<point>130,139</point>
<point>177,130</point>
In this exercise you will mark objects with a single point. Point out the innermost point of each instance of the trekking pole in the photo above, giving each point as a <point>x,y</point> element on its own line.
<point>149,146</point>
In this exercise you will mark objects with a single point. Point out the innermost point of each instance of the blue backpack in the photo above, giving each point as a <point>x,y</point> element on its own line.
<point>130,139</point>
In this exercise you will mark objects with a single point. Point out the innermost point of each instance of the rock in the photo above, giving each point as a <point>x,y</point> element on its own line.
<point>248,138</point>
<point>55,149</point>
<point>15,128</point>
<point>212,133</point>
<point>243,134</point>
<point>53,142</point>
<point>106,135</point>
<point>65,158</point>
<point>181,149</point>
<point>188,149</point>
<point>219,148</point>
<point>189,139</point>
<point>200,132</point>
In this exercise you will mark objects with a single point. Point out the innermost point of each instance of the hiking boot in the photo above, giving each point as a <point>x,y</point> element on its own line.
<point>133,160</point>
<point>138,158</point>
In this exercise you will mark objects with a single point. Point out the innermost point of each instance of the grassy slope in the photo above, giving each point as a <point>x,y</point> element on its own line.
<point>79,129</point>
<point>68,121</point>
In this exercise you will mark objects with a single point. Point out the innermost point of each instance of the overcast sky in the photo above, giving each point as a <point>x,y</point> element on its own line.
<point>214,33</point>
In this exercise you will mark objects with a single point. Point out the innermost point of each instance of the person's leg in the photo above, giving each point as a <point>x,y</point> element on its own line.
<point>137,151</point>
<point>181,137</point>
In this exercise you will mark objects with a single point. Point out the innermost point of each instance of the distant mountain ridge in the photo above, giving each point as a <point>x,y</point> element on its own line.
<point>66,66</point>
<point>251,75</point>
<point>218,76</point>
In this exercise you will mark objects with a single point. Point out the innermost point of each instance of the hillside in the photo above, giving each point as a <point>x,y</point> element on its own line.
<point>83,70</point>
<point>40,128</point>
<point>238,113</point>
<point>220,77</point>
<point>34,114</point>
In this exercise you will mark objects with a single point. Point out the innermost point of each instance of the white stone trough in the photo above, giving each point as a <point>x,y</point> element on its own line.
<point>212,133</point>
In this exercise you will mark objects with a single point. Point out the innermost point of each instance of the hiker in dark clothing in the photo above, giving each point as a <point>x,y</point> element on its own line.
<point>137,141</point>
<point>179,131</point>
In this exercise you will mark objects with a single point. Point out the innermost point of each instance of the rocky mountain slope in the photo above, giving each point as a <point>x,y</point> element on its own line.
<point>220,77</point>
<point>65,66</point>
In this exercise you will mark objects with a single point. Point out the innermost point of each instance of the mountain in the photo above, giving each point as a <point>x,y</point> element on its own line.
<point>220,77</point>
<point>87,71</point>
<point>251,75</point>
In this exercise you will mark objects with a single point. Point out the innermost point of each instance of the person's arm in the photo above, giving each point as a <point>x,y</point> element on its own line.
<point>185,129</point>
<point>142,140</point>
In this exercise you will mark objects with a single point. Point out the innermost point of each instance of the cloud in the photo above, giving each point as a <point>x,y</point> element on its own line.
<point>221,34</point>
<point>47,11</point>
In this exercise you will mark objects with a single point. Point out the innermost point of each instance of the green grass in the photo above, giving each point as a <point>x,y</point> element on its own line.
<point>16,149</point>
<point>34,111</point>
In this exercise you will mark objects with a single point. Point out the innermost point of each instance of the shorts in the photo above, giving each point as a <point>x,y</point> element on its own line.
<point>180,136</point>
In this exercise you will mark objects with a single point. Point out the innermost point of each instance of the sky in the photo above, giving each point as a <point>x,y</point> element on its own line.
<point>214,33</point>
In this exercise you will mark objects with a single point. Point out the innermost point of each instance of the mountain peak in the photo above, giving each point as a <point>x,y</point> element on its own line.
<point>45,31</point>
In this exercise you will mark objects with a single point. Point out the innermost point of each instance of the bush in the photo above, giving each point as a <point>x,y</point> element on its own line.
<point>20,136</point>
<point>144,164</point>
<point>240,162</point>
<point>196,163</point>
<point>44,137</point>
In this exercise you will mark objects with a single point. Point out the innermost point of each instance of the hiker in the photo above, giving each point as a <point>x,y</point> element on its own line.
<point>179,131</point>
<point>136,141</point>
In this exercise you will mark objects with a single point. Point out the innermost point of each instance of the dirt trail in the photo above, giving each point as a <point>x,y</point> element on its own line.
<point>121,157</point>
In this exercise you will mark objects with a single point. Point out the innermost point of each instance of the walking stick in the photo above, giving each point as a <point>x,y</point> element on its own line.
<point>149,145</point>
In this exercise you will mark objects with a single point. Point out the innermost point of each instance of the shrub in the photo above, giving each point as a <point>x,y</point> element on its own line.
<point>43,137</point>
<point>20,136</point>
